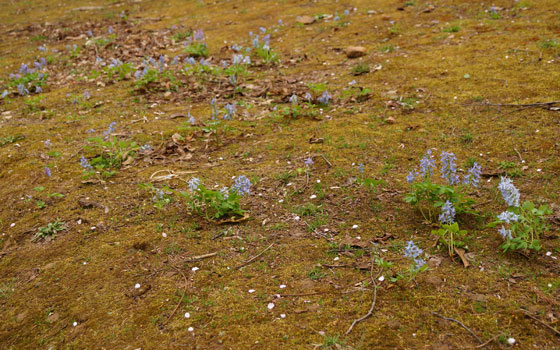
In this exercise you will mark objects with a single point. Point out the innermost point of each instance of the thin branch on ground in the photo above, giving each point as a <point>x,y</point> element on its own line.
<point>255,257</point>
<point>180,300</point>
<point>326,160</point>
<point>488,341</point>
<point>460,324</point>
<point>370,312</point>
<point>539,321</point>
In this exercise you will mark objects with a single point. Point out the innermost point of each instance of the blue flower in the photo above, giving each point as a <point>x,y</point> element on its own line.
<point>447,215</point>
<point>110,130</point>
<point>473,177</point>
<point>146,148</point>
<point>412,175</point>
<point>198,35</point>
<point>38,89</point>
<point>242,185</point>
<point>418,263</point>
<point>191,119</point>
<point>308,162</point>
<point>508,217</point>
<point>449,168</point>
<point>325,98</point>
<point>85,164</point>
<point>255,41</point>
<point>48,171</point>
<point>230,111</point>
<point>194,183</point>
<point>90,33</point>
<point>263,30</point>
<point>225,192</point>
<point>22,90</point>
<point>293,99</point>
<point>506,234</point>
<point>47,143</point>
<point>427,165</point>
<point>233,80</point>
<point>509,192</point>
<point>346,12</point>
<point>412,251</point>
<point>308,97</point>
<point>361,168</point>
<point>87,96</point>
<point>4,94</point>
<point>110,30</point>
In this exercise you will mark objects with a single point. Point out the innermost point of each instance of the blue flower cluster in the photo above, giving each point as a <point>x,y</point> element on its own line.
<point>448,170</point>
<point>508,217</point>
<point>447,215</point>
<point>325,98</point>
<point>242,185</point>
<point>413,252</point>
<point>509,192</point>
<point>194,183</point>
<point>85,164</point>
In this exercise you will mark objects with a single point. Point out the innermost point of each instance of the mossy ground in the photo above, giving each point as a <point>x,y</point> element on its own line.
<point>444,59</point>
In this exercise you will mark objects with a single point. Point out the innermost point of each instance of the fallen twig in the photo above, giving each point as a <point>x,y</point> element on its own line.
<point>539,321</point>
<point>488,341</point>
<point>255,257</point>
<point>460,323</point>
<point>326,160</point>
<point>180,300</point>
<point>200,257</point>
<point>370,312</point>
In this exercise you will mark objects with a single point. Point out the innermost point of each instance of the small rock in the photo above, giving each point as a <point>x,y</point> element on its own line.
<point>305,20</point>
<point>355,51</point>
<point>434,261</point>
<point>393,324</point>
<point>435,281</point>
<point>53,317</point>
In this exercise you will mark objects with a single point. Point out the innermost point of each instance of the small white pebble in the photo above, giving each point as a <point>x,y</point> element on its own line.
<point>92,228</point>
<point>282,315</point>
<point>12,224</point>
<point>414,334</point>
<point>80,222</point>
<point>194,269</point>
<point>318,181</point>
<point>507,57</point>
<point>384,250</point>
<point>550,285</point>
<point>137,285</point>
<point>548,253</point>
<point>326,230</point>
<point>539,170</point>
<point>280,201</point>
<point>75,324</point>
<point>336,258</point>
<point>251,291</point>
<point>296,218</point>
<point>358,237</point>
<point>312,196</point>
<point>85,263</point>
<point>282,286</point>
<point>190,329</point>
<point>354,226</point>
<point>511,341</point>
<point>187,315</point>
<point>164,234</point>
<point>270,306</point>
<point>321,333</point>
<point>381,278</point>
